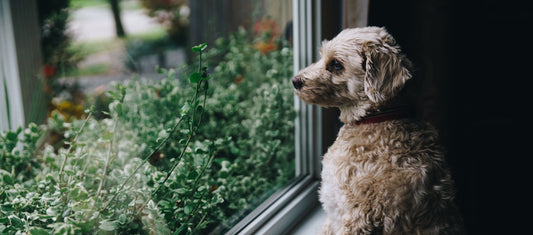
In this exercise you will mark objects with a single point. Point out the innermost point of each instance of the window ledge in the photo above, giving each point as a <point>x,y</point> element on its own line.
<point>311,223</point>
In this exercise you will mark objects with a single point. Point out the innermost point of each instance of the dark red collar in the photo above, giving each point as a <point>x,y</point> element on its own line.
<point>385,115</point>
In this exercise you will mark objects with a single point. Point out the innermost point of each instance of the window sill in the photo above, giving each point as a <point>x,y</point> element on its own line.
<point>311,223</point>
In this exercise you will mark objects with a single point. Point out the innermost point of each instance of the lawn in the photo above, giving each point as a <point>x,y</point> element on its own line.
<point>124,4</point>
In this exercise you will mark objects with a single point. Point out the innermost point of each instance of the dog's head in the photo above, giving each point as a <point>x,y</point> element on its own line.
<point>360,67</point>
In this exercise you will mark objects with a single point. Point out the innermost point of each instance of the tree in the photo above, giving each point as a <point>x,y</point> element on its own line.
<point>115,7</point>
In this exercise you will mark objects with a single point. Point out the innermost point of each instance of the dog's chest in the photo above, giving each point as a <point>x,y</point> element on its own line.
<point>358,154</point>
<point>357,145</point>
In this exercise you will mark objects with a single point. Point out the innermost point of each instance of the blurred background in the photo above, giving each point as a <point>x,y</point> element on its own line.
<point>86,44</point>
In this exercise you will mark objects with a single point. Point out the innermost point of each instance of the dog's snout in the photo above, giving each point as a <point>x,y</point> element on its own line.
<point>297,82</point>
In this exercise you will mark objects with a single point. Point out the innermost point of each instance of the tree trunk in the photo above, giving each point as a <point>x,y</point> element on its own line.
<point>115,7</point>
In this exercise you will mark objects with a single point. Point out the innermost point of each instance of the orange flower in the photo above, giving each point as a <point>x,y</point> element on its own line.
<point>266,25</point>
<point>267,31</point>
<point>264,47</point>
<point>238,79</point>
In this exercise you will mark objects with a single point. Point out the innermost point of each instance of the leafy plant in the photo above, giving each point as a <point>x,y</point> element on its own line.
<point>165,158</point>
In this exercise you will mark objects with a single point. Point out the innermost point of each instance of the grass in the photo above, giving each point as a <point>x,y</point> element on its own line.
<point>88,3</point>
<point>94,69</point>
<point>88,48</point>
<point>124,4</point>
<point>152,35</point>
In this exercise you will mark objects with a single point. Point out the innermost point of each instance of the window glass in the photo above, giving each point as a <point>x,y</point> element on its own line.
<point>145,134</point>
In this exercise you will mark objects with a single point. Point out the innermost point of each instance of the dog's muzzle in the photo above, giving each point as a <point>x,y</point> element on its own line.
<point>297,82</point>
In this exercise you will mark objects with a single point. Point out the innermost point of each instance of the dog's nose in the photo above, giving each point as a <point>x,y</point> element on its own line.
<point>297,82</point>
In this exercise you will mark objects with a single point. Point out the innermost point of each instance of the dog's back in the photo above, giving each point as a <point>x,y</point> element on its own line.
<point>388,178</point>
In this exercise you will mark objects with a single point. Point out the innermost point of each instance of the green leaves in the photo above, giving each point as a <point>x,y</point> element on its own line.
<point>118,95</point>
<point>7,179</point>
<point>195,77</point>
<point>16,222</point>
<point>38,231</point>
<point>12,136</point>
<point>108,136</point>
<point>187,209</point>
<point>7,208</point>
<point>211,157</point>
<point>108,225</point>
<point>199,48</point>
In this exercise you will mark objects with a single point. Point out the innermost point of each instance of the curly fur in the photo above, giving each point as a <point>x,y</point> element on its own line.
<point>381,178</point>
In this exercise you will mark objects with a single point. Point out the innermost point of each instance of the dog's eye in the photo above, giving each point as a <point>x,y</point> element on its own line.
<point>334,66</point>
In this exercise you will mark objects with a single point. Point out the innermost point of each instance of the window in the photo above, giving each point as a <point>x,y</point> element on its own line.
<point>286,207</point>
<point>254,162</point>
<point>11,99</point>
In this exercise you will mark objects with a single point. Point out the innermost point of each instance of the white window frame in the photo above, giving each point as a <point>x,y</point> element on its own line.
<point>11,105</point>
<point>284,209</point>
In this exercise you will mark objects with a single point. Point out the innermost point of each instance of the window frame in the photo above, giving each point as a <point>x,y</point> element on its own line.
<point>11,103</point>
<point>280,212</point>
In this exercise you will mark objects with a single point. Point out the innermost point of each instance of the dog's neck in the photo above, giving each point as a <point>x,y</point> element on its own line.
<point>359,117</point>
<point>354,113</point>
<point>391,113</point>
<point>367,112</point>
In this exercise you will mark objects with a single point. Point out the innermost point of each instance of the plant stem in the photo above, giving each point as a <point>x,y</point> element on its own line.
<point>174,166</point>
<point>191,122</point>
<point>193,127</point>
<point>199,223</point>
<point>169,173</point>
<point>108,160</point>
<point>142,163</point>
<point>202,172</point>
<point>192,131</point>
<point>191,135</point>
<point>73,142</point>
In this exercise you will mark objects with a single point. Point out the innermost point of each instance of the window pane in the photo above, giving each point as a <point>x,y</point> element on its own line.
<point>190,147</point>
<point>252,59</point>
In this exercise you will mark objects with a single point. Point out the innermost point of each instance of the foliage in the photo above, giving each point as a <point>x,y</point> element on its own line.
<point>58,56</point>
<point>174,15</point>
<point>165,158</point>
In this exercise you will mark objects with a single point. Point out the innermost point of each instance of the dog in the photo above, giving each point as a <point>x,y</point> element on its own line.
<point>385,173</point>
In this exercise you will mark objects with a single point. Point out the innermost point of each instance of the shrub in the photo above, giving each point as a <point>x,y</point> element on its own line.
<point>166,158</point>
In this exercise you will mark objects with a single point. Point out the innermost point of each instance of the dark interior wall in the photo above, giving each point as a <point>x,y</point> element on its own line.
<point>331,24</point>
<point>472,62</point>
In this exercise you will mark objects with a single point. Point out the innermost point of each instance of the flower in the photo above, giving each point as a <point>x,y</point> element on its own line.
<point>69,110</point>
<point>266,30</point>
<point>49,71</point>
<point>264,47</point>
<point>266,26</point>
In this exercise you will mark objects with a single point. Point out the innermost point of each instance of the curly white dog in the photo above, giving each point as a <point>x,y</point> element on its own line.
<point>385,173</point>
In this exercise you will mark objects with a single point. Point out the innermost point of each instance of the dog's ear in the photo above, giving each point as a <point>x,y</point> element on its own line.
<point>386,70</point>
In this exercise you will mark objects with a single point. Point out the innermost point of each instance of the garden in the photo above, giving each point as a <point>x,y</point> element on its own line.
<point>190,153</point>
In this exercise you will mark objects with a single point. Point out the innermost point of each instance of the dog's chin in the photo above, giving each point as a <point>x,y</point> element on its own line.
<point>314,98</point>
